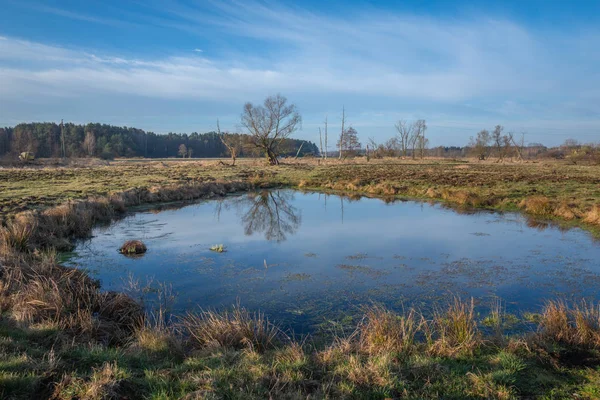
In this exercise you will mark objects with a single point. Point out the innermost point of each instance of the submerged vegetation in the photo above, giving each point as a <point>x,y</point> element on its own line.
<point>62,337</point>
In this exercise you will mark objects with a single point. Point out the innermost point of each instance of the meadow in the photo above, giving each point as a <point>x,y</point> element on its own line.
<point>62,337</point>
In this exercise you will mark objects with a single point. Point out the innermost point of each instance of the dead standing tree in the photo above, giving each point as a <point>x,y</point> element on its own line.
<point>321,140</point>
<point>326,148</point>
<point>421,141</point>
<point>343,130</point>
<point>270,124</point>
<point>405,131</point>
<point>230,142</point>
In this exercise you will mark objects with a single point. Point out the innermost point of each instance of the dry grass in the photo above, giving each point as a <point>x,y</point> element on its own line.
<point>105,383</point>
<point>35,289</point>
<point>461,197</point>
<point>538,205</point>
<point>577,324</point>
<point>237,328</point>
<point>383,331</point>
<point>454,330</point>
<point>15,236</point>
<point>567,210</point>
<point>593,215</point>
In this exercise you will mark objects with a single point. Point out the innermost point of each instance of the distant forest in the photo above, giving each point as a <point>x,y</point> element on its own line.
<point>108,141</point>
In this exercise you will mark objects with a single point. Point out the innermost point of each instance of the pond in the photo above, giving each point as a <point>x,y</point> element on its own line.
<point>311,260</point>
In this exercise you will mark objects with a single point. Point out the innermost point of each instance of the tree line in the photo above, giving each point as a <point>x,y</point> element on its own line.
<point>267,128</point>
<point>52,140</point>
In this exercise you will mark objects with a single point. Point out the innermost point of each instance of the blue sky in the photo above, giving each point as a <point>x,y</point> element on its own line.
<point>175,65</point>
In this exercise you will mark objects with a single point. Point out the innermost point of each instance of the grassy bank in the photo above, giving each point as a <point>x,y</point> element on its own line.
<point>567,193</point>
<point>62,337</point>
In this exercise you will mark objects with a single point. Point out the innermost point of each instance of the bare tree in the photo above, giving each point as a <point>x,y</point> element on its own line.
<point>405,131</point>
<point>326,148</point>
<point>420,127</point>
<point>390,148</point>
<point>349,142</point>
<point>498,140</point>
<point>269,212</point>
<point>518,146</point>
<point>413,140</point>
<point>321,143</point>
<point>89,143</point>
<point>270,124</point>
<point>343,130</point>
<point>481,144</point>
<point>182,150</point>
<point>299,149</point>
<point>231,143</point>
<point>422,145</point>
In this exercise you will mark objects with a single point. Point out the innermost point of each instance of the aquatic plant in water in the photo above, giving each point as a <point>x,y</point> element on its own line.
<point>219,248</point>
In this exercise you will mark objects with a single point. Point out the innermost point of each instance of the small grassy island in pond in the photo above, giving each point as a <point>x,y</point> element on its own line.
<point>218,248</point>
<point>133,248</point>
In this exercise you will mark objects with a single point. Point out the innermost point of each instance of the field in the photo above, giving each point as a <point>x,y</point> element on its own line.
<point>62,337</point>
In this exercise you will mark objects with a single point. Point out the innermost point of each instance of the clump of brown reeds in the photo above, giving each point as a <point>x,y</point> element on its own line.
<point>236,328</point>
<point>574,324</point>
<point>133,248</point>
<point>538,205</point>
<point>454,330</point>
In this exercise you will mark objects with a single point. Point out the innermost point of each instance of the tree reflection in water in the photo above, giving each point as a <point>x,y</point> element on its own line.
<point>268,211</point>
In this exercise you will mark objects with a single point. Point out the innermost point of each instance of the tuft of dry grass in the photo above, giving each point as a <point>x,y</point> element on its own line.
<point>538,205</point>
<point>567,210</point>
<point>483,386</point>
<point>237,328</point>
<point>105,383</point>
<point>593,215</point>
<point>16,235</point>
<point>462,197</point>
<point>454,331</point>
<point>133,247</point>
<point>577,324</point>
<point>382,331</point>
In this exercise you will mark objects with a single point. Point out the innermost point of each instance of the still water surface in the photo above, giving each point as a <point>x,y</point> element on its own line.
<point>310,259</point>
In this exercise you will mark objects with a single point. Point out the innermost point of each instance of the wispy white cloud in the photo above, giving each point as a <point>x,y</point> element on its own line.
<point>199,50</point>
